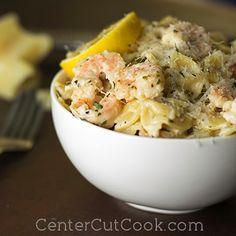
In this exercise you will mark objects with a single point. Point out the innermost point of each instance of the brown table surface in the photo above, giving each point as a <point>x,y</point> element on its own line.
<point>42,183</point>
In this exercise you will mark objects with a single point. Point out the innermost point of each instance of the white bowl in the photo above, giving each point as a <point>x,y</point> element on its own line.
<point>159,175</point>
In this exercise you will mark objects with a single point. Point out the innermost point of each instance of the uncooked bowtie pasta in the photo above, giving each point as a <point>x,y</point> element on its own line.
<point>167,78</point>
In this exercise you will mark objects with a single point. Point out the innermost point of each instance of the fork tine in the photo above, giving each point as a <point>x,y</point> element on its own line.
<point>21,115</point>
<point>36,121</point>
<point>22,123</point>
<point>7,125</point>
<point>29,119</point>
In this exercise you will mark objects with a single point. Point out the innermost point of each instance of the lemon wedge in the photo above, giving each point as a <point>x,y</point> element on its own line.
<point>116,38</point>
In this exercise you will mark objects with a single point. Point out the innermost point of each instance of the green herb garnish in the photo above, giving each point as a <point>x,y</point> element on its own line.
<point>177,50</point>
<point>140,59</point>
<point>145,77</point>
<point>104,122</point>
<point>182,74</point>
<point>97,105</point>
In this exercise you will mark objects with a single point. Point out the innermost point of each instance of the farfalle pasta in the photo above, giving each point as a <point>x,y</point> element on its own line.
<point>176,80</point>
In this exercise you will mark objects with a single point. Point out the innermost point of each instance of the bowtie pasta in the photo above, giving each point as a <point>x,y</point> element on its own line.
<point>176,81</point>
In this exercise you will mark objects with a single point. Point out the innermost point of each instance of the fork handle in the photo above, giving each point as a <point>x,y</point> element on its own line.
<point>10,144</point>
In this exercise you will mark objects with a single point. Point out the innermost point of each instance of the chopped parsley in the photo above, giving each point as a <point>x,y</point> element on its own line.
<point>139,60</point>
<point>104,122</point>
<point>177,50</point>
<point>182,74</point>
<point>145,77</point>
<point>58,94</point>
<point>97,105</point>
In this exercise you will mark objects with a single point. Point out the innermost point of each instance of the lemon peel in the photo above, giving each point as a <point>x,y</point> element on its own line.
<point>116,38</point>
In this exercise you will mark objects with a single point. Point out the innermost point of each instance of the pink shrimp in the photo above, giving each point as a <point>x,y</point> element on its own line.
<point>108,63</point>
<point>141,81</point>
<point>219,95</point>
<point>90,98</point>
<point>102,80</point>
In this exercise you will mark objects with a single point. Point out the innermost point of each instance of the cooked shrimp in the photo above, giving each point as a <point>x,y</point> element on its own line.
<point>190,39</point>
<point>222,92</point>
<point>101,113</point>
<point>141,81</point>
<point>90,100</point>
<point>85,89</point>
<point>219,95</point>
<point>95,101</point>
<point>110,64</point>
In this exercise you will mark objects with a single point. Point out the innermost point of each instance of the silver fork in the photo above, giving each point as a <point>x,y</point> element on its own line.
<point>22,123</point>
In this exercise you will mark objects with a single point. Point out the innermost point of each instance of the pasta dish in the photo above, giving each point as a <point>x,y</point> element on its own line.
<point>172,79</point>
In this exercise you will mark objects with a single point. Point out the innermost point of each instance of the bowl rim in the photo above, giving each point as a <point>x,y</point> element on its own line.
<point>84,122</point>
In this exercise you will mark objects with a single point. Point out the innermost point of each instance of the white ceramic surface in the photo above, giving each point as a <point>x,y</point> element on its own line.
<point>174,175</point>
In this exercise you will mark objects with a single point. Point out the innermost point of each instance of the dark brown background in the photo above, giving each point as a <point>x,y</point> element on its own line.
<point>93,15</point>
<point>43,182</point>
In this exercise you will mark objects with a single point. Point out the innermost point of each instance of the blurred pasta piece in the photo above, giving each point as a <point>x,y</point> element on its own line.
<point>190,76</point>
<point>212,125</point>
<point>179,127</point>
<point>17,42</point>
<point>231,129</point>
<point>185,64</point>
<point>219,41</point>
<point>229,111</point>
<point>144,118</point>
<point>214,66</point>
<point>129,115</point>
<point>154,115</point>
<point>20,50</point>
<point>13,74</point>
